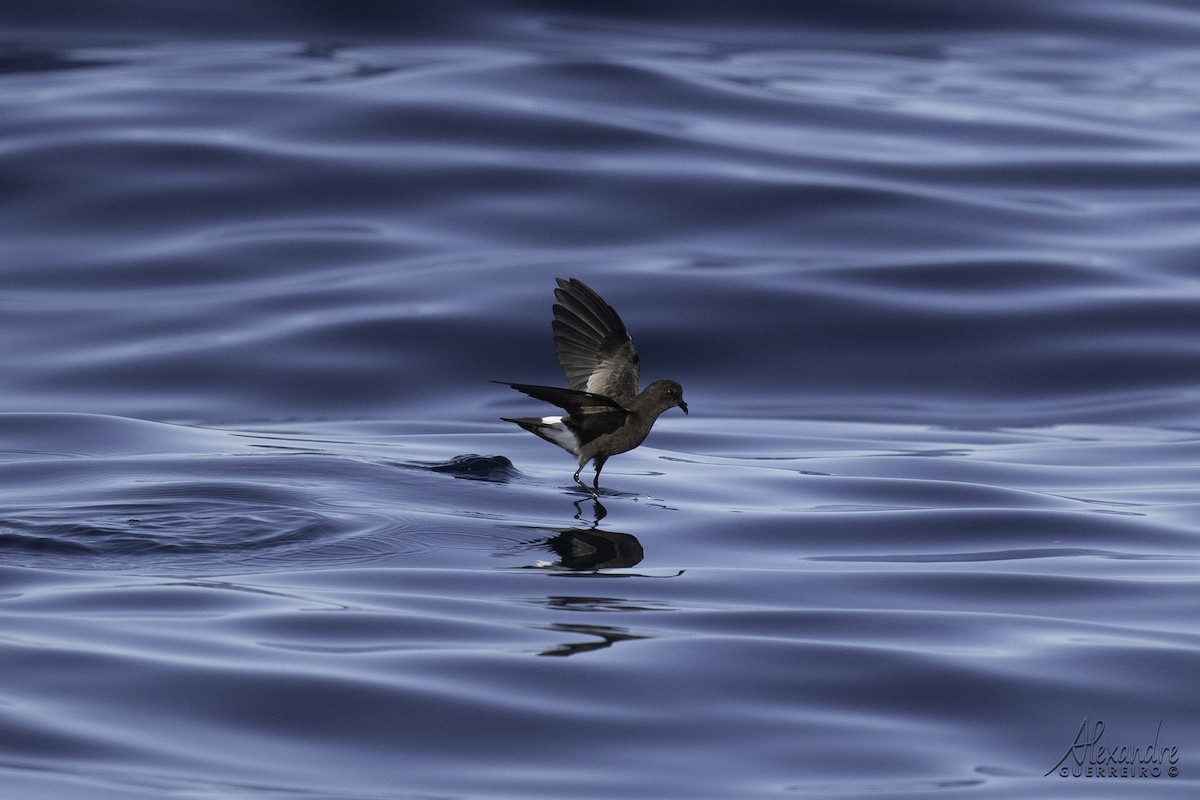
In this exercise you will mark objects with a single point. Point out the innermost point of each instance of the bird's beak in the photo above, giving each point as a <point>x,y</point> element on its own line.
<point>683,405</point>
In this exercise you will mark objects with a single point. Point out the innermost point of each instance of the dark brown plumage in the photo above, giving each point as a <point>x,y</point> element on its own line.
<point>606,414</point>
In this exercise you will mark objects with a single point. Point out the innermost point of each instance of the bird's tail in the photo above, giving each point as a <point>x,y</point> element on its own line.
<point>552,429</point>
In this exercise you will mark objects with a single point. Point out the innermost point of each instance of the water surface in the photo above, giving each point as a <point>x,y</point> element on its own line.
<point>928,279</point>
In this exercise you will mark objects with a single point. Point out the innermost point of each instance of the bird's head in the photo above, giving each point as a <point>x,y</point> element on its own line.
<point>667,393</point>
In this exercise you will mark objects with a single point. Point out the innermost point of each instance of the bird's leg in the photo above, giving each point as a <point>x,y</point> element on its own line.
<point>599,462</point>
<point>581,483</point>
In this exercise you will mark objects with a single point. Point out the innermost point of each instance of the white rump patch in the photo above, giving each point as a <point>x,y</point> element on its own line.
<point>554,430</point>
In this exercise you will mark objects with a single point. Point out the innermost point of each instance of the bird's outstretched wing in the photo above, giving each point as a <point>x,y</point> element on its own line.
<point>591,415</point>
<point>593,346</point>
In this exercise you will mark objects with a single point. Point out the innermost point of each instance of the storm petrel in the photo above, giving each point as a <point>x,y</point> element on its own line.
<point>606,414</point>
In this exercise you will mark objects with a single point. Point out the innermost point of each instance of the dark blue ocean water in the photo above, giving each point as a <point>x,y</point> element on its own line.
<point>929,273</point>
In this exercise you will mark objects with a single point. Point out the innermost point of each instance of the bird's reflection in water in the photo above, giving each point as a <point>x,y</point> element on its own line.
<point>607,634</point>
<point>590,550</point>
<point>599,512</point>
